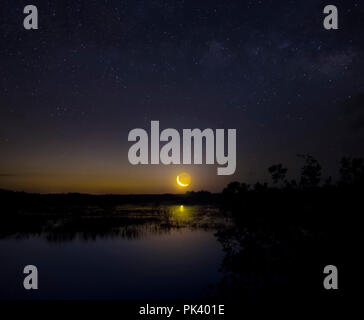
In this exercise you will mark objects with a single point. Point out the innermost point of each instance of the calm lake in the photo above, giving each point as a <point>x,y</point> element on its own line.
<point>146,253</point>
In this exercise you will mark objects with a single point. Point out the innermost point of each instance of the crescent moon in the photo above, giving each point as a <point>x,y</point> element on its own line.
<point>180,183</point>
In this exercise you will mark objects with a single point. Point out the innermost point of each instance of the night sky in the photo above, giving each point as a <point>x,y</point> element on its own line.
<point>71,91</point>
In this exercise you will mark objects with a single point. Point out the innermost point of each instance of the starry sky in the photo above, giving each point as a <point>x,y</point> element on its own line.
<point>72,90</point>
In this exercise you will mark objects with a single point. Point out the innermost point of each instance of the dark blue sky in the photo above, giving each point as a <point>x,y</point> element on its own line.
<point>71,91</point>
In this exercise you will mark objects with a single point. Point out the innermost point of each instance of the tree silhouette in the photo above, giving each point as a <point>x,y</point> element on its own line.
<point>352,171</point>
<point>278,173</point>
<point>310,172</point>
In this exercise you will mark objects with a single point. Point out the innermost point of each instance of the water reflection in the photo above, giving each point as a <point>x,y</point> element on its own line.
<point>126,222</point>
<point>176,265</point>
<point>182,215</point>
<point>163,252</point>
<point>134,252</point>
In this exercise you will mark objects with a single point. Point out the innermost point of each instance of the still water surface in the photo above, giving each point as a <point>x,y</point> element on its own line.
<point>147,259</point>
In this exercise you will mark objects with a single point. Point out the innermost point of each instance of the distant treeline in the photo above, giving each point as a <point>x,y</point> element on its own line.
<point>307,201</point>
<point>351,177</point>
<point>310,181</point>
<point>21,202</point>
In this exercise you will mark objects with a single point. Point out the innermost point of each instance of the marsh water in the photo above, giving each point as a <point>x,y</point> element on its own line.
<point>163,252</point>
<point>136,253</point>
